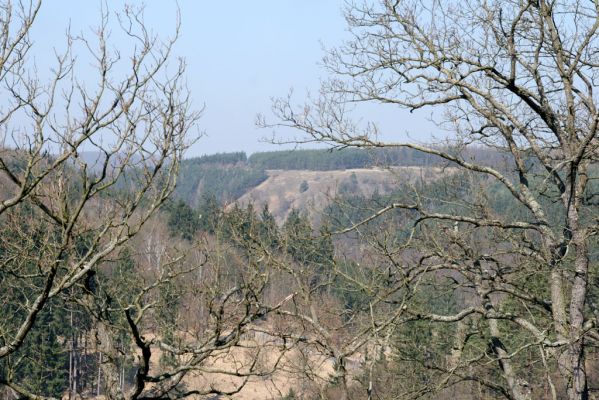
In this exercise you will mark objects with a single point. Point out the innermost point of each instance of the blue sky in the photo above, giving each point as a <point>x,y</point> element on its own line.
<point>239,55</point>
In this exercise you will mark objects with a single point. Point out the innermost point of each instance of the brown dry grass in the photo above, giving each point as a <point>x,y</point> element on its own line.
<point>281,191</point>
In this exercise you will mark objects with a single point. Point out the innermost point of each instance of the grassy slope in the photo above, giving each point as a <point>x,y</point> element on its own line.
<point>281,191</point>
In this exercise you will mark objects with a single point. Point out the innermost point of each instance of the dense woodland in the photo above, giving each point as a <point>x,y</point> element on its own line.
<point>348,158</point>
<point>223,176</point>
<point>347,271</point>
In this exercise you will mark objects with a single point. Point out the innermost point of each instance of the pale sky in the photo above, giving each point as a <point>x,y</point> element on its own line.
<point>240,54</point>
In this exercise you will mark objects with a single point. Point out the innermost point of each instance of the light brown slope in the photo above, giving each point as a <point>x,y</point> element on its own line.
<point>281,191</point>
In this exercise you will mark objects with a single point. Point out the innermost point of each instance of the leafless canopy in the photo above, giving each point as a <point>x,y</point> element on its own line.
<point>518,76</point>
<point>90,148</point>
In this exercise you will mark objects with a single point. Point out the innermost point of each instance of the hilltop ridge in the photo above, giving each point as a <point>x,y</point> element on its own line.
<point>306,180</point>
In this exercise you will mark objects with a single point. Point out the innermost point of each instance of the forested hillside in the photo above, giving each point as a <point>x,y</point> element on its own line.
<point>348,158</point>
<point>229,176</point>
<point>225,176</point>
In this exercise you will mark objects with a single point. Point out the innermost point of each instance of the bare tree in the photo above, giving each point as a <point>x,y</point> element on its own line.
<point>192,327</point>
<point>87,156</point>
<point>516,76</point>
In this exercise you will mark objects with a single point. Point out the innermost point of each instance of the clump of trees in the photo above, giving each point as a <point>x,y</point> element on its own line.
<point>233,158</point>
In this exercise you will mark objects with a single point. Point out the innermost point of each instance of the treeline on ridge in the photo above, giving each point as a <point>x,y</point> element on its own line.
<point>227,176</point>
<point>348,158</point>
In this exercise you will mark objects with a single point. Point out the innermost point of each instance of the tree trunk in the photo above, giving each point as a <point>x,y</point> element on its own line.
<point>109,370</point>
<point>575,368</point>
<point>99,382</point>
<point>504,362</point>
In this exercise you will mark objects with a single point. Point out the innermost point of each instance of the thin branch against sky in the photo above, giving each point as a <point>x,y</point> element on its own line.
<point>240,55</point>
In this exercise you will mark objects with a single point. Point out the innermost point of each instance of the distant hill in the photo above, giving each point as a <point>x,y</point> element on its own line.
<point>305,179</point>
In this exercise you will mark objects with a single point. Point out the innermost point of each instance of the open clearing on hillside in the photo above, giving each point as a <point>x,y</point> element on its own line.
<point>282,191</point>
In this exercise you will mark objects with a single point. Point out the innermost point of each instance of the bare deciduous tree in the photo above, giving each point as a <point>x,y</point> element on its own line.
<point>87,155</point>
<point>516,76</point>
